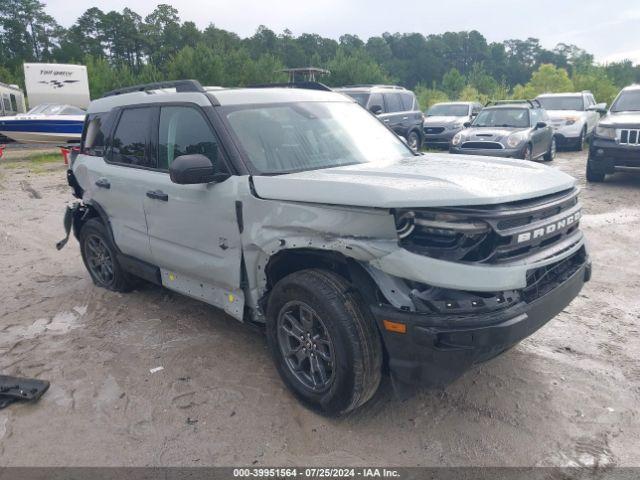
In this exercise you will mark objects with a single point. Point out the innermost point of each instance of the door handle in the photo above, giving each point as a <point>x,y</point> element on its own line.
<point>103,183</point>
<point>158,195</point>
<point>405,118</point>
<point>385,120</point>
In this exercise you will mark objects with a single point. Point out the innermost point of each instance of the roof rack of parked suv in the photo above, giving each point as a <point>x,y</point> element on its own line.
<point>371,85</point>
<point>533,103</point>
<point>304,85</point>
<point>179,85</point>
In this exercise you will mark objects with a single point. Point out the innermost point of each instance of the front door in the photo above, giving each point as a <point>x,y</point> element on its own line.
<point>193,229</point>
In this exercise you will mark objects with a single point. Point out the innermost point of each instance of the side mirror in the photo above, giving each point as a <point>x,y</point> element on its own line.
<point>474,114</point>
<point>466,124</point>
<point>540,125</point>
<point>192,169</point>
<point>375,109</point>
<point>598,107</point>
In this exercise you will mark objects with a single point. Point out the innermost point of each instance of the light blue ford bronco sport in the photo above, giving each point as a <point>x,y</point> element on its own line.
<point>298,209</point>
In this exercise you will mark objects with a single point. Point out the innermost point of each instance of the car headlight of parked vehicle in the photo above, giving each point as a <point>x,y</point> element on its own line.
<point>570,120</point>
<point>446,236</point>
<point>457,138</point>
<point>606,131</point>
<point>516,139</point>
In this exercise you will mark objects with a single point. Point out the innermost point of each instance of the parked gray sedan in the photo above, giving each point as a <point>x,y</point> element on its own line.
<point>514,129</point>
<point>443,120</point>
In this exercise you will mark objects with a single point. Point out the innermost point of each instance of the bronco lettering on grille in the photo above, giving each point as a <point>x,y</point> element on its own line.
<point>548,229</point>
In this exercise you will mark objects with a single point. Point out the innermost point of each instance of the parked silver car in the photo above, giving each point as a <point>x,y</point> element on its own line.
<point>298,210</point>
<point>443,120</point>
<point>573,116</point>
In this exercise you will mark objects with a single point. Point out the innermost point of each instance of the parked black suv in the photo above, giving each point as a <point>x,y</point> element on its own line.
<point>615,145</point>
<point>396,106</point>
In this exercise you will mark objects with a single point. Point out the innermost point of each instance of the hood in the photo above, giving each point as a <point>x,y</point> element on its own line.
<point>560,114</point>
<point>489,133</point>
<point>431,180</point>
<point>622,119</point>
<point>443,120</point>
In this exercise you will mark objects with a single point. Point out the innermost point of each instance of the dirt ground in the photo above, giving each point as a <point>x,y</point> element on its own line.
<point>566,396</point>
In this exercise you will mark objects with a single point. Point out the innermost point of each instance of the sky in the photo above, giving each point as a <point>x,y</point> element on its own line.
<point>608,29</point>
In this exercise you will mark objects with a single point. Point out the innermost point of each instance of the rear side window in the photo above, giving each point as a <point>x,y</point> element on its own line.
<point>131,138</point>
<point>14,103</point>
<point>184,131</point>
<point>407,101</point>
<point>376,99</point>
<point>96,129</point>
<point>7,103</point>
<point>394,102</point>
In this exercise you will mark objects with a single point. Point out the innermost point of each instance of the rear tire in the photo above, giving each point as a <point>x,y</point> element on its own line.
<point>594,176</point>
<point>413,140</point>
<point>99,255</point>
<point>316,312</point>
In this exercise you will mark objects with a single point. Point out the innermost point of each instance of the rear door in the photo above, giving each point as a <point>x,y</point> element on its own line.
<point>193,229</point>
<point>118,181</point>
<point>393,112</point>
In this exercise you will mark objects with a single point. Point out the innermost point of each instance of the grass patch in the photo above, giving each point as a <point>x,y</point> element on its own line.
<point>36,162</point>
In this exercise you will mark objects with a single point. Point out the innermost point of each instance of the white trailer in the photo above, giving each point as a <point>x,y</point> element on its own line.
<point>56,83</point>
<point>11,100</point>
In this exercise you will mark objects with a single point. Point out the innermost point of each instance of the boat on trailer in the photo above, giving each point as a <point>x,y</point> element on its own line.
<point>46,123</point>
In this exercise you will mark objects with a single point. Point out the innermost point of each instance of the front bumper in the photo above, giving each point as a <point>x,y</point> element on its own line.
<point>435,350</point>
<point>607,156</point>
<point>489,152</point>
<point>442,139</point>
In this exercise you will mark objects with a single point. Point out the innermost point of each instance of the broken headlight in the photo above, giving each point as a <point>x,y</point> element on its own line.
<point>446,236</point>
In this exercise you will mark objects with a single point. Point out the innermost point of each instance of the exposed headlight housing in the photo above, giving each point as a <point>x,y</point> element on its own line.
<point>570,120</point>
<point>440,235</point>
<point>457,139</point>
<point>605,131</point>
<point>515,139</point>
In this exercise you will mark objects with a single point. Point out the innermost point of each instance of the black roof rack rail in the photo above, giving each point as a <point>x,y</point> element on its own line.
<point>535,103</point>
<point>377,85</point>
<point>304,85</point>
<point>179,85</point>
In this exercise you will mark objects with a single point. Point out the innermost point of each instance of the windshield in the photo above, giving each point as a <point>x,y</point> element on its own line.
<point>503,117</point>
<point>628,101</point>
<point>283,138</point>
<point>562,103</point>
<point>445,110</point>
<point>361,98</point>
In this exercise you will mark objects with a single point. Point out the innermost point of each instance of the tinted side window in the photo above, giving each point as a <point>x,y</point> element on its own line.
<point>407,101</point>
<point>14,103</point>
<point>376,99</point>
<point>393,101</point>
<point>7,103</point>
<point>130,140</point>
<point>96,129</point>
<point>184,131</point>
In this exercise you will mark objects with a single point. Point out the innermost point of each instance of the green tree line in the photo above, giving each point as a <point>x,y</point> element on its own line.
<point>124,48</point>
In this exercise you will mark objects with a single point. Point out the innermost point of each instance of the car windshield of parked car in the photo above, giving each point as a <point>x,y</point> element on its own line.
<point>562,103</point>
<point>503,117</point>
<point>448,111</point>
<point>627,102</point>
<point>293,137</point>
<point>361,98</point>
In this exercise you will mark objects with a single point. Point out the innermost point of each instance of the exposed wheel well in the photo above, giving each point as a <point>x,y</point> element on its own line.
<point>289,261</point>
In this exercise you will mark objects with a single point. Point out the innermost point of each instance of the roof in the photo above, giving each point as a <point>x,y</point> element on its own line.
<point>223,96</point>
<point>635,86</point>
<point>565,94</point>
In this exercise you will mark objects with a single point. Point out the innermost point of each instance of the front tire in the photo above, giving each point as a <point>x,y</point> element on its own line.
<point>551,153</point>
<point>324,341</point>
<point>582,139</point>
<point>100,258</point>
<point>593,175</point>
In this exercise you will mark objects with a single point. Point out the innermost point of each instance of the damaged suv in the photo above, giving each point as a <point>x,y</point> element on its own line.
<point>299,210</point>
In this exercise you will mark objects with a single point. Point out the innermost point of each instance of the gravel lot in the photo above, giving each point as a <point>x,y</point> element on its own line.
<point>568,395</point>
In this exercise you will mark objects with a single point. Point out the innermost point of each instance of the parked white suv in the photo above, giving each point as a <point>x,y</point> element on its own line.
<point>297,209</point>
<point>573,116</point>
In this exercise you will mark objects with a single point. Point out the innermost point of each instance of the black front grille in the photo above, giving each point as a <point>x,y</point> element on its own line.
<point>630,137</point>
<point>539,228</point>
<point>433,130</point>
<point>483,145</point>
